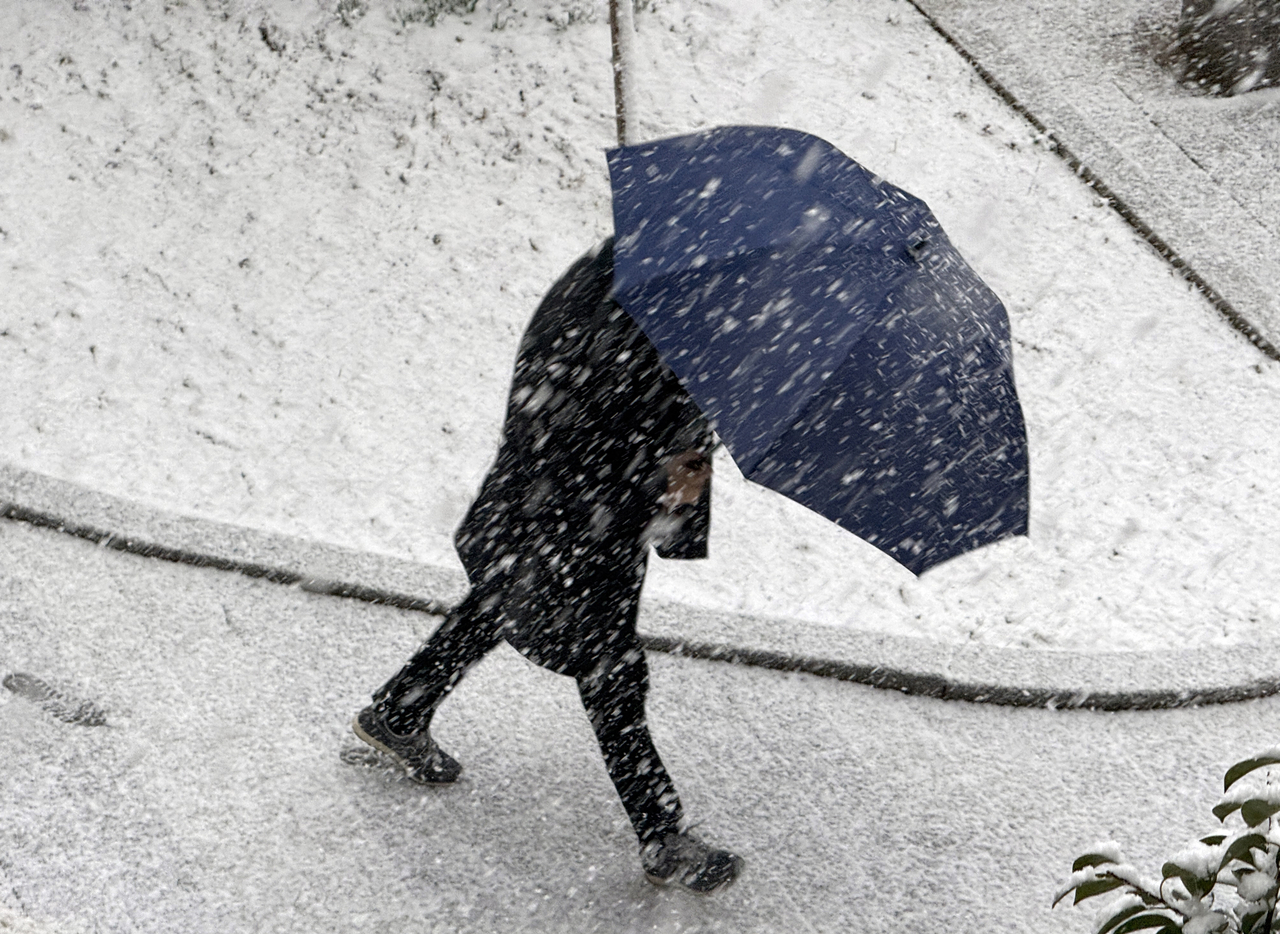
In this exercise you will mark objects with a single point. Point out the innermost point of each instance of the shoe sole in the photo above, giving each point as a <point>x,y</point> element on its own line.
<point>672,880</point>
<point>383,748</point>
<point>357,729</point>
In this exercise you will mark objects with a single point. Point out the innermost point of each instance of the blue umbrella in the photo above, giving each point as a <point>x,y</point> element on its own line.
<point>847,355</point>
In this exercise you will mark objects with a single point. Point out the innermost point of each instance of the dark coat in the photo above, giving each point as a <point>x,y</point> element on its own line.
<point>558,537</point>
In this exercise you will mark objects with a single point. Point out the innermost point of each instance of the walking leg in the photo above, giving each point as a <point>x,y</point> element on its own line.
<point>399,719</point>
<point>408,701</point>
<point>614,696</point>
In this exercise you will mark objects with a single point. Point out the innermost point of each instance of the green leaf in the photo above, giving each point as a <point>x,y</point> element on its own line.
<point>1255,811</point>
<point>1140,922</point>
<point>1225,809</point>
<point>1091,859</point>
<point>1196,885</point>
<point>1119,916</point>
<point>1241,769</point>
<point>1213,839</point>
<point>1250,921</point>
<point>1240,848</point>
<point>1095,887</point>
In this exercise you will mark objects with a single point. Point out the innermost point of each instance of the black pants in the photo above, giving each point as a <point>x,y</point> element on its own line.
<point>613,694</point>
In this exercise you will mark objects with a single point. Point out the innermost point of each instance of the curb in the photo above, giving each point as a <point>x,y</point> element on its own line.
<point>942,688</point>
<point>883,677</point>
<point>274,575</point>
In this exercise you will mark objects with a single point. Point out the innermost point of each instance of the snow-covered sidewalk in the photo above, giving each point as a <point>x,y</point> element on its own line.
<point>216,800</point>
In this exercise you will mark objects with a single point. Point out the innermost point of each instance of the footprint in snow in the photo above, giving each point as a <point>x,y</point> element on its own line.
<point>58,703</point>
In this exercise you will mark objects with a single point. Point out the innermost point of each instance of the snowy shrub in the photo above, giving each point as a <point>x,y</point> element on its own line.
<point>568,12</point>
<point>560,13</point>
<point>1230,46</point>
<point>1222,884</point>
<point>428,11</point>
<point>351,10</point>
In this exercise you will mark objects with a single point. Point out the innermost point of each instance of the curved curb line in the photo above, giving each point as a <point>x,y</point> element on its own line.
<point>876,676</point>
<point>1117,203</point>
<point>144,549</point>
<point>926,685</point>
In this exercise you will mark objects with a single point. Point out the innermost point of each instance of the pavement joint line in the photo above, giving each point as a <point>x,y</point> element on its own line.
<point>876,676</point>
<point>1104,191</point>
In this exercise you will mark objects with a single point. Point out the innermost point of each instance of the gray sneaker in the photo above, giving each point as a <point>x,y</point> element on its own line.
<point>417,753</point>
<point>683,859</point>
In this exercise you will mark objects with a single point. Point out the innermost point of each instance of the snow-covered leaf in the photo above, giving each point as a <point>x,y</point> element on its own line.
<point>1147,920</point>
<point>1197,885</point>
<point>1256,810</point>
<point>1240,848</point>
<point>1129,908</point>
<point>1250,921</point>
<point>1096,887</point>
<point>1224,809</point>
<point>1098,855</point>
<point>1243,768</point>
<point>1199,858</point>
<point>1255,886</point>
<point>1207,923</point>
<point>1079,877</point>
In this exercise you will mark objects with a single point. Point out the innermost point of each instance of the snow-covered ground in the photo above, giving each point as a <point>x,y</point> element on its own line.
<point>269,263</point>
<point>216,801</point>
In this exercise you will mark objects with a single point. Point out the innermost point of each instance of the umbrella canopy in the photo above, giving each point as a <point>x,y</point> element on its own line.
<point>847,355</point>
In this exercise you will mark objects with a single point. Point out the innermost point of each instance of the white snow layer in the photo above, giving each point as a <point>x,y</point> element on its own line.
<point>266,267</point>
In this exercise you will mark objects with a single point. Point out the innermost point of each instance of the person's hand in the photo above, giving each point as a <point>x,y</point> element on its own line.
<point>687,476</point>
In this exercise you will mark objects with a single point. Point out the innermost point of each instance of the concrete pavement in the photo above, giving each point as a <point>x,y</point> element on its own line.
<point>216,797</point>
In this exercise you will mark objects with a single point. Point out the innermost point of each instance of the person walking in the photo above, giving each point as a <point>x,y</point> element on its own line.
<point>603,453</point>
